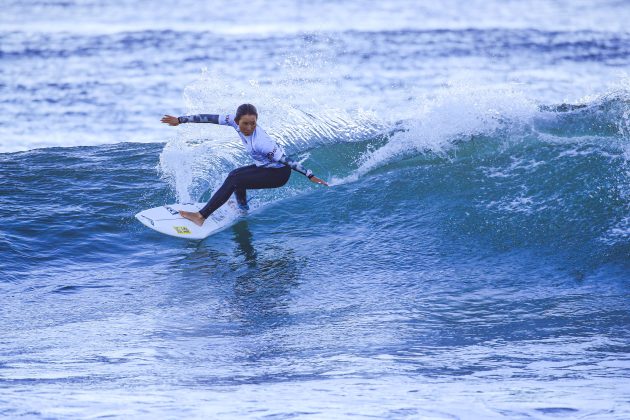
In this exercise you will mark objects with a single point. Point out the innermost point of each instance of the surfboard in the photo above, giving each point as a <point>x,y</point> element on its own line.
<point>166,219</point>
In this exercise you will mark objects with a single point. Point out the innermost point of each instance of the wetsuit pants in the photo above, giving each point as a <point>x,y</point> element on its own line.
<point>246,178</point>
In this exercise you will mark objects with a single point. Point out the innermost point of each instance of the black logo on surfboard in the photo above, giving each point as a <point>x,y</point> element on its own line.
<point>171,210</point>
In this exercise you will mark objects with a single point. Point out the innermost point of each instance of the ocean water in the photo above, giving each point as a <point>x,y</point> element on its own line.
<point>471,259</point>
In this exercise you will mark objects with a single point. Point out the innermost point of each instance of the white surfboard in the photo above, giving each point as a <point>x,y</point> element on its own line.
<point>166,219</point>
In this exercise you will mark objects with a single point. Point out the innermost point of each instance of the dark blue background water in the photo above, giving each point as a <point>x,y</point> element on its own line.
<point>471,259</point>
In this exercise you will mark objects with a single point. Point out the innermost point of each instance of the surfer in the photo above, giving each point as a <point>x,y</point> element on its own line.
<point>272,168</point>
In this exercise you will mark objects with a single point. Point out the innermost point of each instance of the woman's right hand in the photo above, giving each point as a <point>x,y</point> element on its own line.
<point>318,181</point>
<point>170,120</point>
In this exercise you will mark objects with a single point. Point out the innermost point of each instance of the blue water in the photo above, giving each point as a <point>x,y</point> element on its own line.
<point>471,259</point>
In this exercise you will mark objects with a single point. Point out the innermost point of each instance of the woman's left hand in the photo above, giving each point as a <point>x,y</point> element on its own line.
<point>318,181</point>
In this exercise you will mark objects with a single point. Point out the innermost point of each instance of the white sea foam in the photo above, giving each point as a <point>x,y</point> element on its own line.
<point>435,123</point>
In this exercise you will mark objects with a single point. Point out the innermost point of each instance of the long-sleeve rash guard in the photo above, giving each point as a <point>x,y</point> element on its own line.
<point>264,150</point>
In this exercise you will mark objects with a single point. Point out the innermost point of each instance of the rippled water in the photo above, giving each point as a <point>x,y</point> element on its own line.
<point>469,261</point>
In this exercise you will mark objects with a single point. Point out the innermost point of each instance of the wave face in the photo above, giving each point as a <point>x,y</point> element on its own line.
<point>471,258</point>
<point>516,173</point>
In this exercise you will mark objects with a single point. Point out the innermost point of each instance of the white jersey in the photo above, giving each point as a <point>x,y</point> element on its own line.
<point>264,150</point>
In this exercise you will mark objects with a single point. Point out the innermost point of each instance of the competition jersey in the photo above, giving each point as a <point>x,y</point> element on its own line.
<point>264,150</point>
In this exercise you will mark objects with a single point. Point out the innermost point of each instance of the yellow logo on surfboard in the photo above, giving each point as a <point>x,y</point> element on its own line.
<point>182,230</point>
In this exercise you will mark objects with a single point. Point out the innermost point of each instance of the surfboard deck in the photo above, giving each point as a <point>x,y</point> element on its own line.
<point>166,219</point>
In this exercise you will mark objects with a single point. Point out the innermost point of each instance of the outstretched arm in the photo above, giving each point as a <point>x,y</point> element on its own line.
<point>297,166</point>
<point>201,118</point>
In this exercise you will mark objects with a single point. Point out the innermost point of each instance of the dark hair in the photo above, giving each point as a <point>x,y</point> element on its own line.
<point>245,109</point>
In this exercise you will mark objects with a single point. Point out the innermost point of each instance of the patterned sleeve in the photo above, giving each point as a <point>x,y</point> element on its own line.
<point>296,166</point>
<point>200,118</point>
<point>227,119</point>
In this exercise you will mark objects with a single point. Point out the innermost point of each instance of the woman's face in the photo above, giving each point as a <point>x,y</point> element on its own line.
<point>247,124</point>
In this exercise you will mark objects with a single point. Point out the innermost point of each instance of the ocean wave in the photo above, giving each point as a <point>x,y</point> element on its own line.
<point>519,173</point>
<point>499,167</point>
<point>454,116</point>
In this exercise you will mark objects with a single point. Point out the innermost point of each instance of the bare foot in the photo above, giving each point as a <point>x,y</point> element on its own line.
<point>195,217</point>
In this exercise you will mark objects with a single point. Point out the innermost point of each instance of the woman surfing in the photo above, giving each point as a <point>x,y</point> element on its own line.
<point>271,168</point>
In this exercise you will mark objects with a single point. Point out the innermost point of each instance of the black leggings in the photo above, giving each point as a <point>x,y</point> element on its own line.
<point>250,177</point>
